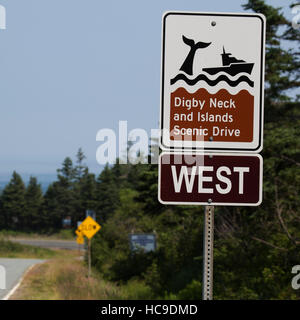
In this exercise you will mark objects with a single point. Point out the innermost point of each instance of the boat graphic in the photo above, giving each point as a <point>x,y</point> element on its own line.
<point>231,65</point>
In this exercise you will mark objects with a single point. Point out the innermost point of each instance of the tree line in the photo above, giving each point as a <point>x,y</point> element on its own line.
<point>26,208</point>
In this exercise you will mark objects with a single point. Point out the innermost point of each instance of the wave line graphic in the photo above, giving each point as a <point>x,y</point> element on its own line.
<point>203,77</point>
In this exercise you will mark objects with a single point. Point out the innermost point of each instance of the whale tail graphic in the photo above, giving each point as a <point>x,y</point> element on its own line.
<point>187,65</point>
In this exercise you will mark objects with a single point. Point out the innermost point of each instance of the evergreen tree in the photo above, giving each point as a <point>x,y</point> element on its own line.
<point>86,189</point>
<point>33,204</point>
<point>13,203</point>
<point>52,210</point>
<point>81,169</point>
<point>63,190</point>
<point>282,68</point>
<point>107,192</point>
<point>66,174</point>
<point>88,192</point>
<point>147,186</point>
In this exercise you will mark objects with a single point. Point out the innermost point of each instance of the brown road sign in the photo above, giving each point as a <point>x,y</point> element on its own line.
<point>89,227</point>
<point>210,179</point>
<point>223,118</point>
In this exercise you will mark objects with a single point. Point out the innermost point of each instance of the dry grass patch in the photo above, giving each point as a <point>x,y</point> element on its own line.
<point>64,278</point>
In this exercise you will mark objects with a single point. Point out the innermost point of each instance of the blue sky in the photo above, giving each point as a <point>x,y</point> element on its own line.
<point>69,68</point>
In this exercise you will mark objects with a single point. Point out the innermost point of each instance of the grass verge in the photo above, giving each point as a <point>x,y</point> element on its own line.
<point>66,234</point>
<point>10,249</point>
<point>65,278</point>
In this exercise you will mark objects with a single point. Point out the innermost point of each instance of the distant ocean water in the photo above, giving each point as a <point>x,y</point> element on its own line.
<point>43,179</point>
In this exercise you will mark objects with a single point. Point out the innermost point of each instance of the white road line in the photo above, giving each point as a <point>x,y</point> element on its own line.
<point>12,291</point>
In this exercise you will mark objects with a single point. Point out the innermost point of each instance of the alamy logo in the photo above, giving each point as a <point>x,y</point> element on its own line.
<point>2,278</point>
<point>296,278</point>
<point>2,17</point>
<point>296,18</point>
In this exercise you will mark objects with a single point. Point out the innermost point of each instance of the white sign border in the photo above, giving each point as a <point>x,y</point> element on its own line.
<point>261,98</point>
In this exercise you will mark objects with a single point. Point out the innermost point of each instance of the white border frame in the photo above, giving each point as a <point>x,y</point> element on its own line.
<point>206,148</point>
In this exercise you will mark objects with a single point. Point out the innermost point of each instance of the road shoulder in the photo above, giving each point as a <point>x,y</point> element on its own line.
<point>15,269</point>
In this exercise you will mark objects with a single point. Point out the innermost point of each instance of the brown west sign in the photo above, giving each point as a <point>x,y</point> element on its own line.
<point>210,179</point>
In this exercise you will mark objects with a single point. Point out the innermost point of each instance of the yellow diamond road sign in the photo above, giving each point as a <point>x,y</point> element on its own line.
<point>79,233</point>
<point>89,227</point>
<point>80,240</point>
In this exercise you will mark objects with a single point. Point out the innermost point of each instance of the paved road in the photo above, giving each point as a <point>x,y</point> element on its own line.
<point>60,244</point>
<point>15,268</point>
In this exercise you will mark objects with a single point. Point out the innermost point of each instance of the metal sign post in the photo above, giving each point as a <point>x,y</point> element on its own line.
<point>208,119</point>
<point>208,253</point>
<point>89,257</point>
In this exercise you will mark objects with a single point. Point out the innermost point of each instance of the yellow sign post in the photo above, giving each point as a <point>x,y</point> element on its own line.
<point>89,227</point>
